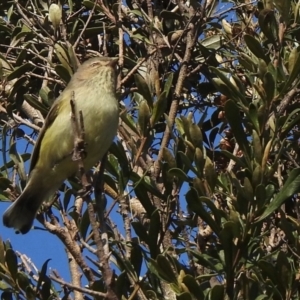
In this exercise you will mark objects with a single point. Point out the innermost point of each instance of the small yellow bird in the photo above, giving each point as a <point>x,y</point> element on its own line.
<point>94,90</point>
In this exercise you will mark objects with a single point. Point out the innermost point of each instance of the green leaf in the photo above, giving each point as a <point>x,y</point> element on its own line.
<point>260,196</point>
<point>63,73</point>
<point>47,95</point>
<point>195,135</point>
<point>17,159</point>
<point>235,121</point>
<point>168,83</point>
<point>169,15</point>
<point>193,287</point>
<point>288,228</point>
<point>21,82</point>
<point>112,165</point>
<point>3,287</point>
<point>222,87</point>
<point>234,92</point>
<point>141,36</point>
<point>195,204</point>
<point>293,67</point>
<point>128,120</point>
<point>229,232</point>
<point>30,293</point>
<point>90,5</point>
<point>245,194</point>
<point>164,264</point>
<point>2,252</point>
<point>179,174</point>
<point>23,280</point>
<point>33,101</point>
<point>208,261</point>
<point>218,214</point>
<point>289,189</point>
<point>247,62</point>
<point>255,47</point>
<point>168,157</point>
<point>159,108</point>
<point>284,7</point>
<point>12,263</point>
<point>144,117</point>
<point>268,24</point>
<point>136,258</point>
<point>267,269</point>
<point>67,197</point>
<point>239,161</point>
<point>153,233</point>
<point>214,41</point>
<point>140,231</point>
<point>184,296</point>
<point>143,196</point>
<point>184,163</point>
<point>284,272</point>
<point>253,116</point>
<point>143,89</point>
<point>137,13</point>
<point>269,86</point>
<point>210,174</point>
<point>84,224</point>
<point>10,12</point>
<point>257,176</point>
<point>42,274</point>
<point>19,71</point>
<point>292,119</point>
<point>7,296</point>
<point>161,272</point>
<point>199,186</point>
<point>257,148</point>
<point>161,104</point>
<point>217,293</point>
<point>199,161</point>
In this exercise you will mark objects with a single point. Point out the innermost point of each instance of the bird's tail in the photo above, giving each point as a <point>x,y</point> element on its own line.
<point>21,213</point>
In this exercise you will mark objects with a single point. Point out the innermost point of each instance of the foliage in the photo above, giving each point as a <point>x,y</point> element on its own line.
<point>205,169</point>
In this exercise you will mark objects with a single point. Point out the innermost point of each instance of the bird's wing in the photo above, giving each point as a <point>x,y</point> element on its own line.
<point>52,114</point>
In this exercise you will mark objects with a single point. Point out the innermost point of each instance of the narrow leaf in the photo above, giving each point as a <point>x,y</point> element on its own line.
<point>290,188</point>
<point>143,89</point>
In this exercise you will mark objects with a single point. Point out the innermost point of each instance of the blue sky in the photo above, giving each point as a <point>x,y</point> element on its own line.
<point>39,246</point>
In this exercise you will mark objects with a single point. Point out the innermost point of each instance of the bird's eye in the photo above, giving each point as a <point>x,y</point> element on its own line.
<point>95,64</point>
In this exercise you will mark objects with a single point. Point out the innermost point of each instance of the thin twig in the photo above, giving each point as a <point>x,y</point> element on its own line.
<point>87,246</point>
<point>20,10</point>
<point>75,275</point>
<point>25,122</point>
<point>106,11</point>
<point>231,9</point>
<point>31,74</point>
<point>135,68</point>
<point>91,13</point>
<point>78,288</point>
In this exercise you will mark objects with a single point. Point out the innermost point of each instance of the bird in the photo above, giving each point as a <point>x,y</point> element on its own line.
<point>93,87</point>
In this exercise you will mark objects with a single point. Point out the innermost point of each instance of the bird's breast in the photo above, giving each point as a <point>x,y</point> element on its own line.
<point>100,122</point>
